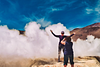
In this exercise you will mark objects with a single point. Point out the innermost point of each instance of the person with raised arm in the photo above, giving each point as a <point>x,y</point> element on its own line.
<point>60,46</point>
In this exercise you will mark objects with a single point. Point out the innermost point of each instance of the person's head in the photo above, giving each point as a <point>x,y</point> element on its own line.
<point>62,33</point>
<point>68,39</point>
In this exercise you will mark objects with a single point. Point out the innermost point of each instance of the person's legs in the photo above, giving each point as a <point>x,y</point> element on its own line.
<point>71,60</point>
<point>63,48</point>
<point>65,60</point>
<point>59,52</point>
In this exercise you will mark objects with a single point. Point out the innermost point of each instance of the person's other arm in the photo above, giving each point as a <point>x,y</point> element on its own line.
<point>54,34</point>
<point>63,41</point>
<point>72,34</point>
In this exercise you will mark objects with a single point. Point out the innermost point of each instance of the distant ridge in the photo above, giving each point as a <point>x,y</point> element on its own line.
<point>82,33</point>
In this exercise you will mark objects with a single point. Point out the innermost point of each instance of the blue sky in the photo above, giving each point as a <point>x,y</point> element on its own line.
<point>72,13</point>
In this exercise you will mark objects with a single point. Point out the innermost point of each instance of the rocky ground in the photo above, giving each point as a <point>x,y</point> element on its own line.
<point>91,61</point>
<point>79,62</point>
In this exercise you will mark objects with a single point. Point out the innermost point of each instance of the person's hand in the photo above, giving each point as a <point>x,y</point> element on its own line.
<point>74,33</point>
<point>51,30</point>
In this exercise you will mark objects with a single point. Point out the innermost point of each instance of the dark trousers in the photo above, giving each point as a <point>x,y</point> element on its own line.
<point>66,59</point>
<point>60,47</point>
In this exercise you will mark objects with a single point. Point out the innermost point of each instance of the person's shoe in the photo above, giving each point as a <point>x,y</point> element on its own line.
<point>72,65</point>
<point>64,65</point>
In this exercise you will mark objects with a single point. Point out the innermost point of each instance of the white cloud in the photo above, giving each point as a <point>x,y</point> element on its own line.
<point>96,9</point>
<point>41,43</point>
<point>43,22</point>
<point>89,47</point>
<point>36,43</point>
<point>55,9</point>
<point>71,28</point>
<point>58,6</point>
<point>89,11</point>
<point>24,18</point>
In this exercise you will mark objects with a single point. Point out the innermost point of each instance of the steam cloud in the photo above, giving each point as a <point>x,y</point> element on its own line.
<point>41,43</point>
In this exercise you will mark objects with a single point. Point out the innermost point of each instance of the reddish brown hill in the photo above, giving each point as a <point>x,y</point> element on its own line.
<point>82,33</point>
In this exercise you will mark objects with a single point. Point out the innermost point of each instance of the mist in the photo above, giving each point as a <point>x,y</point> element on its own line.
<point>88,47</point>
<point>37,43</point>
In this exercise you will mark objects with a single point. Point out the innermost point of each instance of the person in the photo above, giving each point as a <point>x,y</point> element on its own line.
<point>60,46</point>
<point>68,51</point>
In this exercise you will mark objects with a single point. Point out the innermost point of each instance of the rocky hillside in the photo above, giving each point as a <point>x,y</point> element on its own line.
<point>82,33</point>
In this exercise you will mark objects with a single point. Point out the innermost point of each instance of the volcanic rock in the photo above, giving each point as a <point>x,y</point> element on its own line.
<point>82,33</point>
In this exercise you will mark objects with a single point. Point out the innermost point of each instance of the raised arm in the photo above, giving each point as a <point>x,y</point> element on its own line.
<point>63,41</point>
<point>54,34</point>
<point>72,34</point>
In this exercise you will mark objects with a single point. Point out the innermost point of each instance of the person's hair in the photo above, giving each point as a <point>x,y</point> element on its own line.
<point>68,39</point>
<point>62,32</point>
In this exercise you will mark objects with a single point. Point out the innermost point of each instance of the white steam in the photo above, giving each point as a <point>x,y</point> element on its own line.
<point>36,43</point>
<point>89,47</point>
<point>41,43</point>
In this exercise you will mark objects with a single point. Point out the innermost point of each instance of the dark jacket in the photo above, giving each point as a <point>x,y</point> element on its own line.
<point>61,37</point>
<point>68,50</point>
